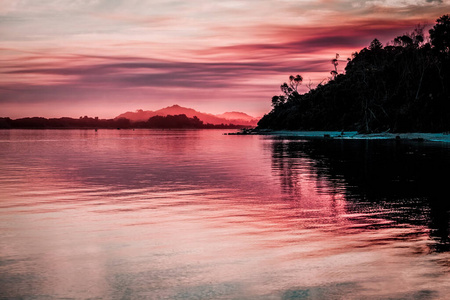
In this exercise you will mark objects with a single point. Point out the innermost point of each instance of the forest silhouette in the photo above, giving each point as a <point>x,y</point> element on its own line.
<point>401,87</point>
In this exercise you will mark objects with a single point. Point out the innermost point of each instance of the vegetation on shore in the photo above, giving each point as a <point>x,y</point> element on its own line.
<point>160,122</point>
<point>402,87</point>
<point>181,121</point>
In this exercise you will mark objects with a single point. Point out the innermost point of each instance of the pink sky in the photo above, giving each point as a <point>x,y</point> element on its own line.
<point>105,57</point>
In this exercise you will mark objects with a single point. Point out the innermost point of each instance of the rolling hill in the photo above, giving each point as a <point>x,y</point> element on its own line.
<point>236,118</point>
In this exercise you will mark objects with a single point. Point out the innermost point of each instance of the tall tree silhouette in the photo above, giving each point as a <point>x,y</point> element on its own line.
<point>440,34</point>
<point>401,87</point>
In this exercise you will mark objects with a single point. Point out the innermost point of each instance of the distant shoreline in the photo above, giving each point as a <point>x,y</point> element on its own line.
<point>111,128</point>
<point>352,135</point>
<point>333,135</point>
<point>155,122</point>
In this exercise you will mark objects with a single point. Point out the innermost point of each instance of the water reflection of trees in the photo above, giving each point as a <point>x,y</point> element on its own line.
<point>407,180</point>
<point>292,161</point>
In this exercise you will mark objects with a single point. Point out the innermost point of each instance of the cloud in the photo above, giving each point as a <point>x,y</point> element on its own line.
<point>171,75</point>
<point>107,50</point>
<point>252,70</point>
<point>308,43</point>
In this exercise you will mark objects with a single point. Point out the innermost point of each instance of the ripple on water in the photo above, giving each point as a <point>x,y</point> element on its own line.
<point>195,214</point>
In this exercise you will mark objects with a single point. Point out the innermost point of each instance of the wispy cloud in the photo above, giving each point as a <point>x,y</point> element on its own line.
<point>129,54</point>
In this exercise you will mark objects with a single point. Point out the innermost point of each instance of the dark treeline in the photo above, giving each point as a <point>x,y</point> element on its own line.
<point>178,121</point>
<point>181,121</point>
<point>82,122</point>
<point>402,87</point>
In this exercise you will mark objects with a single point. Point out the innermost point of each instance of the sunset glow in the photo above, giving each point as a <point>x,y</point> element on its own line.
<point>102,58</point>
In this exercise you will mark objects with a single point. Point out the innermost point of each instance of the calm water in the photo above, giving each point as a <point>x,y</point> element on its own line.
<point>122,214</point>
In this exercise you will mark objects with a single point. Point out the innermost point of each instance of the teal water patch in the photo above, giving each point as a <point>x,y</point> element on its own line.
<point>225,290</point>
<point>331,291</point>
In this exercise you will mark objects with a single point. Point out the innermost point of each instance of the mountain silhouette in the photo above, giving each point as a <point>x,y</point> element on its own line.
<point>236,118</point>
<point>236,115</point>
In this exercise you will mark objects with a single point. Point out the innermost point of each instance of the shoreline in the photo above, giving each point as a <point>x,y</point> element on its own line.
<point>352,135</point>
<point>114,128</point>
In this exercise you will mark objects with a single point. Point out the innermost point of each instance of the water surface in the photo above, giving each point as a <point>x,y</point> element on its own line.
<point>175,214</point>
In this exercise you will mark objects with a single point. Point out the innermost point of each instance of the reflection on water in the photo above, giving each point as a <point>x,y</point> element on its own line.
<point>405,181</point>
<point>199,215</point>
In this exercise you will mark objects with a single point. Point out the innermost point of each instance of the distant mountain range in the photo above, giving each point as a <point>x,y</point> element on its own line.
<point>236,118</point>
